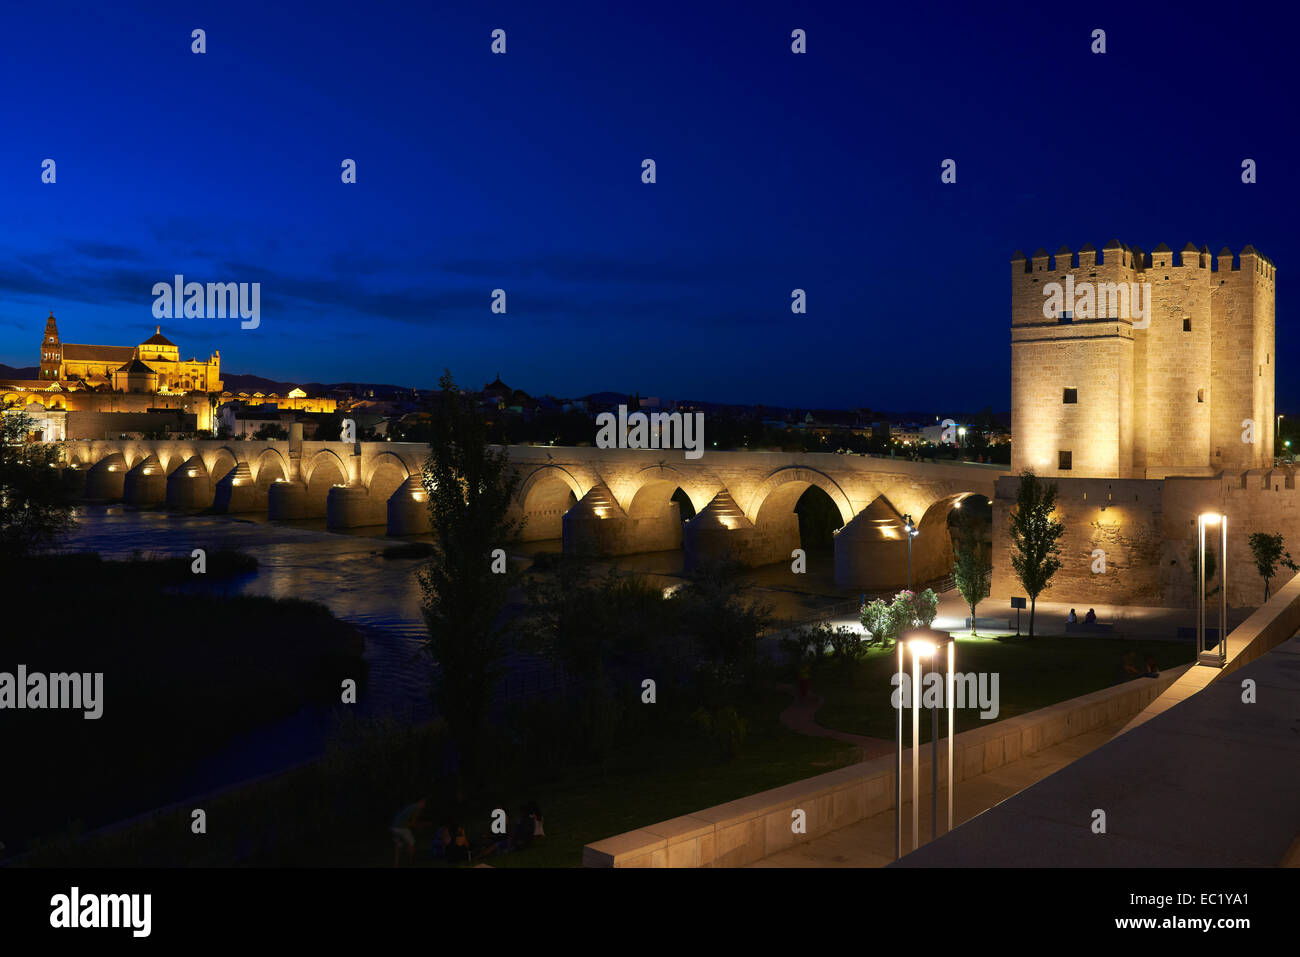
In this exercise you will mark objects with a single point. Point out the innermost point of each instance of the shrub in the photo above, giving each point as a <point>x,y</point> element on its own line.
<point>724,728</point>
<point>918,610</point>
<point>884,622</point>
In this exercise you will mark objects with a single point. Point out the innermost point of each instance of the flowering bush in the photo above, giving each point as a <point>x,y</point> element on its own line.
<point>886,622</point>
<point>919,611</point>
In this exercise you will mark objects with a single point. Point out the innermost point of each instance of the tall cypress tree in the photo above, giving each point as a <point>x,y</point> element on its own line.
<point>1034,536</point>
<point>470,487</point>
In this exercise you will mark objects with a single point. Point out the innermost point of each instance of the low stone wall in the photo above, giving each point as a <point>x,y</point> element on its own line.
<point>1270,625</point>
<point>751,828</point>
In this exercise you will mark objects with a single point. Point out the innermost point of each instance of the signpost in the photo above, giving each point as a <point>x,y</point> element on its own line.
<point>1017,604</point>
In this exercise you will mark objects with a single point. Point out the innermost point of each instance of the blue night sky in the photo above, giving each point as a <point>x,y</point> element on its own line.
<point>523,171</point>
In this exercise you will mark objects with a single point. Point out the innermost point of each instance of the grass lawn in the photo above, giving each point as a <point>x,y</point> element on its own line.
<point>1032,674</point>
<point>660,778</point>
<point>646,788</point>
<point>653,781</point>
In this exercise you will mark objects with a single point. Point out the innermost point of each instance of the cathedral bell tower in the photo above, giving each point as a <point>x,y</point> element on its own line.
<point>51,350</point>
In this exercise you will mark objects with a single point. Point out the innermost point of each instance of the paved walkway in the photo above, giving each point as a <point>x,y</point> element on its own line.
<point>1149,624</point>
<point>870,843</point>
<point>799,717</point>
<point>1212,782</point>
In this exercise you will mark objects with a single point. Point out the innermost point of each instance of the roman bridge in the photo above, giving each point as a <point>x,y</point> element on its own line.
<point>735,505</point>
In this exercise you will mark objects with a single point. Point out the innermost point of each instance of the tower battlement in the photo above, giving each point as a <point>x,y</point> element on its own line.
<point>1132,257</point>
<point>1136,364</point>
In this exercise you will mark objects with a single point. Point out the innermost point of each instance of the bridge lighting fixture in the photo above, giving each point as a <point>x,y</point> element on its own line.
<point>912,531</point>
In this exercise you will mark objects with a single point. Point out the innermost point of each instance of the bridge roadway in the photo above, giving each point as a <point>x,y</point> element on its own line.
<point>599,501</point>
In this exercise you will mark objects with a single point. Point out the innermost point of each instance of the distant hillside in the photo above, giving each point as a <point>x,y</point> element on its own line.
<point>26,372</point>
<point>237,382</point>
<point>234,382</point>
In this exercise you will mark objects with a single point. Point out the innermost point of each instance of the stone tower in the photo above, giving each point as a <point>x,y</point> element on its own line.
<point>51,350</point>
<point>1131,364</point>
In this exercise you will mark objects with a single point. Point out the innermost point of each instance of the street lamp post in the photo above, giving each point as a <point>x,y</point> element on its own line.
<point>911,531</point>
<point>924,643</point>
<point>1218,657</point>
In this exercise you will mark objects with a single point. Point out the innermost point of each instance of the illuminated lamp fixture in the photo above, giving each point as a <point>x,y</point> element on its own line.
<point>1214,657</point>
<point>924,644</point>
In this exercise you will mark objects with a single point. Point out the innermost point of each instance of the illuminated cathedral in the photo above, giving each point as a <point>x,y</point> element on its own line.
<point>154,365</point>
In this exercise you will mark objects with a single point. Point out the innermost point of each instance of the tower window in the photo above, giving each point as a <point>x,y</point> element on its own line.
<point>1200,395</point>
<point>1065,461</point>
<point>1187,325</point>
<point>1070,397</point>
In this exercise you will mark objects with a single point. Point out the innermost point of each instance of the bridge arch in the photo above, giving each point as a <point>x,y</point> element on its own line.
<point>328,460</point>
<point>265,471</point>
<point>781,490</point>
<point>220,461</point>
<point>544,496</point>
<point>388,460</point>
<point>387,474</point>
<point>544,475</point>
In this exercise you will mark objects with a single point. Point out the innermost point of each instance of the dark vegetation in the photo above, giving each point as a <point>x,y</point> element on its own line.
<point>182,674</point>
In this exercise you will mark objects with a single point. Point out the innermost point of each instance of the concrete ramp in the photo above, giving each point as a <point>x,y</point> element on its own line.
<point>1273,623</point>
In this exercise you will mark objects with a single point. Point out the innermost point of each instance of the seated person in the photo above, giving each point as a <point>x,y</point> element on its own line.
<point>1090,618</point>
<point>460,849</point>
<point>403,828</point>
<point>441,841</point>
<point>1072,618</point>
<point>523,834</point>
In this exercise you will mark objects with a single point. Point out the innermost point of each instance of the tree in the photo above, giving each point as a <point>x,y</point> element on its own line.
<point>970,573</point>
<point>1034,536</point>
<point>470,487</point>
<point>711,608</point>
<point>583,622</point>
<point>35,507</point>
<point>270,430</point>
<point>1269,552</point>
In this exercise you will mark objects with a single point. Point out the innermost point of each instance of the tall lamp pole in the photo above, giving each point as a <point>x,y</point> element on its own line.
<point>926,644</point>
<point>1218,657</point>
<point>911,531</point>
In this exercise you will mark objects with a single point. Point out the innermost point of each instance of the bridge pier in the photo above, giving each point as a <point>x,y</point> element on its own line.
<point>73,479</point>
<point>189,487</point>
<point>408,509</point>
<point>237,492</point>
<point>871,551</point>
<point>350,506</point>
<point>720,533</point>
<point>106,478</point>
<point>286,500</point>
<point>597,525</point>
<point>145,484</point>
